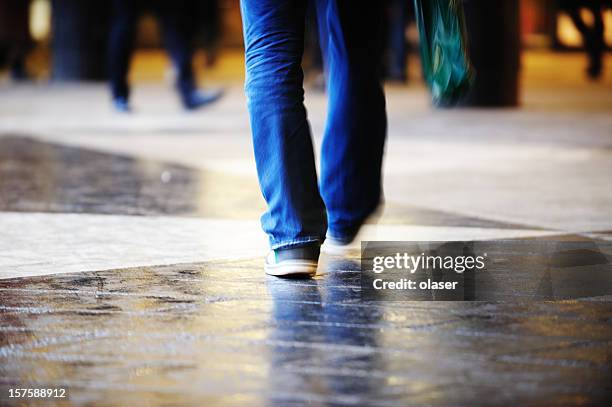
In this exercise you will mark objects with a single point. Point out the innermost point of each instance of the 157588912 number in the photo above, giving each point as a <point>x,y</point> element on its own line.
<point>37,393</point>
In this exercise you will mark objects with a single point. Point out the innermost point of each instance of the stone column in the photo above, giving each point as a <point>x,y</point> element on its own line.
<point>495,47</point>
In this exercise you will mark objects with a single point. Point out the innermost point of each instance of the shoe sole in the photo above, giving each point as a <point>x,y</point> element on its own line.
<point>292,268</point>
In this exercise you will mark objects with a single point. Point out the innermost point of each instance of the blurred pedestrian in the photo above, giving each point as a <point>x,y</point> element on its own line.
<point>208,27</point>
<point>303,213</point>
<point>15,39</point>
<point>178,30</point>
<point>397,17</point>
<point>592,35</point>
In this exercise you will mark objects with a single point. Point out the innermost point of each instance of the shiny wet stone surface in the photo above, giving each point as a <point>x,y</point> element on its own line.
<point>44,177</point>
<point>37,176</point>
<point>222,333</point>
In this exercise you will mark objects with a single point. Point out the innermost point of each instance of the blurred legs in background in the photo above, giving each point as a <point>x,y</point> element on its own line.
<point>178,29</point>
<point>397,20</point>
<point>208,27</point>
<point>15,40</point>
<point>593,36</point>
<point>299,211</point>
<point>121,44</point>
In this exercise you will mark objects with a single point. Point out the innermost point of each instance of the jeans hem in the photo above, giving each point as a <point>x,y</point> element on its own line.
<point>348,235</point>
<point>296,242</point>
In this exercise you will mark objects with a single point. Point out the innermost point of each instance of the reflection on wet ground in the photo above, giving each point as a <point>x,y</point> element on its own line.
<point>222,333</point>
<point>44,177</point>
<point>37,176</point>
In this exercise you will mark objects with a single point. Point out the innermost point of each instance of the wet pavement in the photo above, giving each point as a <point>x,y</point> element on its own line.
<point>131,256</point>
<point>37,176</point>
<point>220,333</point>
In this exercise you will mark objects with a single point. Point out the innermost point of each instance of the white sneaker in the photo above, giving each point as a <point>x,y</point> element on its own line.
<point>295,261</point>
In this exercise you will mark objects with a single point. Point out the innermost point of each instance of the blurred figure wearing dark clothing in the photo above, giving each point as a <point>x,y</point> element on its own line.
<point>208,27</point>
<point>593,37</point>
<point>15,39</point>
<point>397,16</point>
<point>178,28</point>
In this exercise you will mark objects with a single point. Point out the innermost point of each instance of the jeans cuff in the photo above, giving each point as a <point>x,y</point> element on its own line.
<point>347,234</point>
<point>296,242</point>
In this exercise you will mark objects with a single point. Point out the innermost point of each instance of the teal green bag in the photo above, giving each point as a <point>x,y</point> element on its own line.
<point>444,49</point>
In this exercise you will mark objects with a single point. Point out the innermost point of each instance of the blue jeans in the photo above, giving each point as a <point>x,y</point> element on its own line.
<point>300,210</point>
